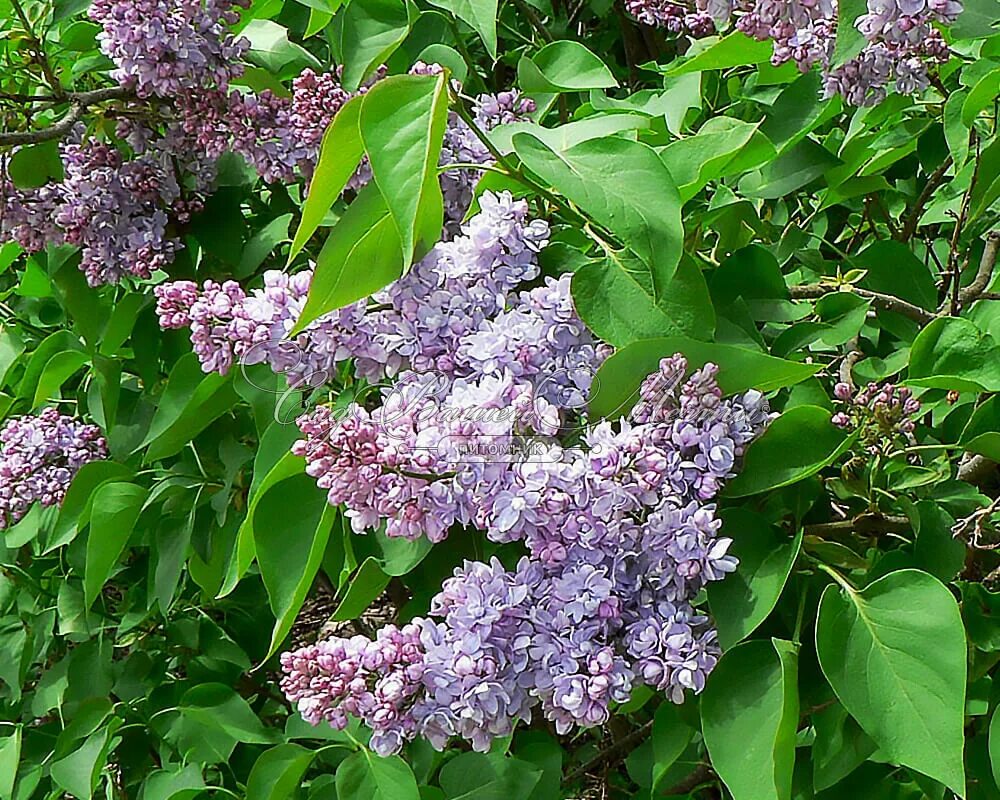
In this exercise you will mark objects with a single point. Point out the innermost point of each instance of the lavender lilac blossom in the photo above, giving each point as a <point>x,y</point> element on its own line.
<point>621,536</point>
<point>39,455</point>
<point>902,41</point>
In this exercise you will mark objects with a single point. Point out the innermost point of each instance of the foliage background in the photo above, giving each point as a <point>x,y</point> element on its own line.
<point>821,243</point>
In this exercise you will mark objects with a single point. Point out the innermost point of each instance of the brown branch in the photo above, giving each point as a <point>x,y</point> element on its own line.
<point>863,523</point>
<point>975,469</point>
<point>955,273</point>
<point>886,302</point>
<point>618,749</point>
<point>912,220</point>
<point>692,780</point>
<point>79,103</point>
<point>986,265</point>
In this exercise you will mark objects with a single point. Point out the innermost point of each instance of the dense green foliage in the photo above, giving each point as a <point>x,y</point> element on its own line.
<point>707,203</point>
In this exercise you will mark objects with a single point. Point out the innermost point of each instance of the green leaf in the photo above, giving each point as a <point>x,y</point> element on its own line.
<point>850,41</point>
<point>339,156</point>
<point>624,186</point>
<point>264,480</point>
<point>59,369</point>
<point>796,445</point>
<point>981,95</point>
<point>277,773</point>
<point>366,585</point>
<point>566,136</point>
<point>977,21</point>
<point>840,747</point>
<point>74,510</point>
<point>617,385</point>
<point>766,555</point>
<point>734,50</point>
<point>262,244</point>
<point>116,507</point>
<point>78,772</point>
<point>402,126</point>
<point>749,715</point>
<point>369,32</point>
<point>563,66</point>
<point>790,171</point>
<point>191,401</point>
<point>893,269</point>
<point>290,548</point>
<point>722,147</point>
<point>994,745</point>
<point>362,776</point>
<point>671,735</point>
<point>616,299</point>
<point>480,15</point>
<point>361,255</point>
<point>10,756</point>
<point>906,630</point>
<point>478,776</point>
<point>217,707</point>
<point>35,165</point>
<point>952,353</point>
<point>271,49</point>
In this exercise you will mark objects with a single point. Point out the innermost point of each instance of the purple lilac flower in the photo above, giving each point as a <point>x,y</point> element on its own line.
<point>168,47</point>
<point>39,455</point>
<point>620,540</point>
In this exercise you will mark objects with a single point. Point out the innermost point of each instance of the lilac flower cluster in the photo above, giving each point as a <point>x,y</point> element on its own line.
<point>167,48</point>
<point>427,320</point>
<point>39,455</point>
<point>883,414</point>
<point>117,211</point>
<point>902,40</point>
<point>672,15</point>
<point>621,536</point>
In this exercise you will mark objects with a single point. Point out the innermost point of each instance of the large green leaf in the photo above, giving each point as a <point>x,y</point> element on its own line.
<point>74,510</point>
<point>766,555</point>
<point>402,126</point>
<point>624,186</point>
<point>723,146</point>
<point>190,402</point>
<point>749,715</point>
<point>616,298</point>
<point>563,66</point>
<point>616,388</point>
<point>735,50</point>
<point>339,156</point>
<point>277,773</point>
<point>362,776</point>
<point>361,254</point>
<point>368,32</point>
<point>290,547</point>
<point>895,654</point>
<point>982,432</point>
<point>478,776</point>
<point>952,353</point>
<point>116,507</point>
<point>480,15</point>
<point>219,708</point>
<point>796,445</point>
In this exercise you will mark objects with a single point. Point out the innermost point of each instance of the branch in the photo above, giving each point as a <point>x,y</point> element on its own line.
<point>863,523</point>
<point>886,302</point>
<point>912,221</point>
<point>986,264</point>
<point>975,469</point>
<point>620,748</point>
<point>696,777</point>
<point>79,102</point>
